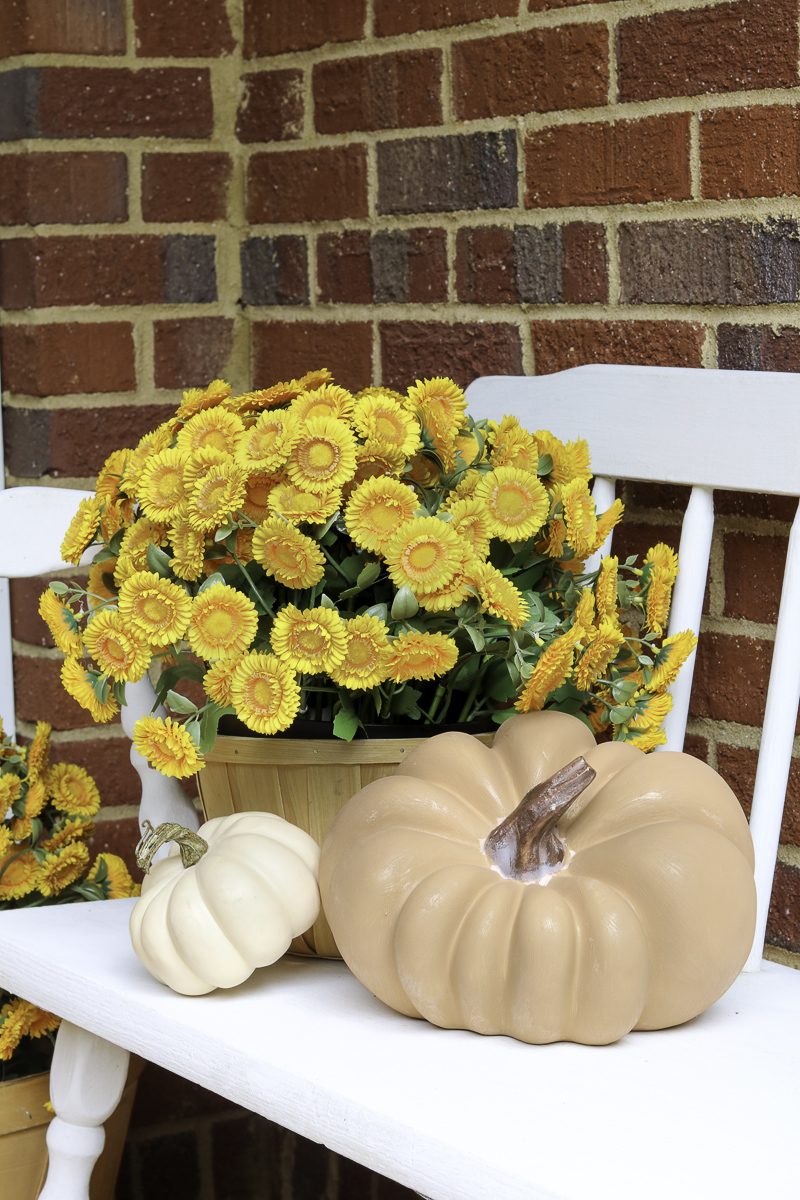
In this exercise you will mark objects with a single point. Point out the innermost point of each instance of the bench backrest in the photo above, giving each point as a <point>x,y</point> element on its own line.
<point>738,430</point>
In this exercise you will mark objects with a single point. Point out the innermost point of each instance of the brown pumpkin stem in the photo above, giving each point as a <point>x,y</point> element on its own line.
<point>192,846</point>
<point>527,838</point>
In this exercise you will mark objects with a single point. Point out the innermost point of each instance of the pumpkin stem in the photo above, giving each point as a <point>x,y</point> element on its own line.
<point>527,838</point>
<point>192,846</point>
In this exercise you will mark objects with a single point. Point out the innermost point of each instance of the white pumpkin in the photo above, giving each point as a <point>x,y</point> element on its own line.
<point>236,906</point>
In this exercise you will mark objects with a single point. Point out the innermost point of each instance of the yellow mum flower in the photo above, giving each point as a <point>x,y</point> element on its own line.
<point>10,791</point>
<point>73,791</point>
<point>214,497</point>
<point>584,610</point>
<point>499,595</point>
<point>59,870</point>
<point>218,679</point>
<point>98,590</point>
<point>324,455</point>
<point>256,497</point>
<point>463,490</point>
<point>18,876</point>
<point>133,551</point>
<point>109,479</point>
<point>162,490</point>
<point>267,445</point>
<point>82,530</point>
<point>423,471</point>
<point>670,658</point>
<point>15,1021</point>
<point>605,590</point>
<point>198,465</point>
<point>167,746</point>
<point>152,443</point>
<point>42,1022</point>
<point>223,622</point>
<point>513,446</point>
<point>74,829</point>
<point>645,729</point>
<point>36,798</point>
<point>188,546</point>
<point>118,877</point>
<point>313,379</point>
<point>158,608</point>
<point>606,522</point>
<point>376,511</point>
<point>665,559</point>
<point>552,669</point>
<point>366,655</point>
<point>265,693</point>
<point>377,458</point>
<point>598,655</point>
<point>78,683</point>
<point>327,400</point>
<point>425,554</point>
<point>217,392</point>
<point>297,506</point>
<point>515,501</point>
<point>313,640</point>
<point>562,471</point>
<point>210,429</point>
<point>439,404</point>
<point>38,754</point>
<point>62,621</point>
<point>471,523</point>
<point>579,517</point>
<point>382,420</point>
<point>421,656</point>
<point>580,463</point>
<point>6,842</point>
<point>289,556</point>
<point>115,648</point>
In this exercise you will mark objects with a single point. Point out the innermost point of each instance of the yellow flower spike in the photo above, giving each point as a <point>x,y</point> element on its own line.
<point>98,590</point>
<point>162,490</point>
<point>120,883</point>
<point>659,597</point>
<point>365,663</point>
<point>606,522</point>
<point>425,555</point>
<point>115,648</point>
<point>156,607</point>
<point>74,829</point>
<point>313,640</point>
<point>265,693</point>
<point>605,590</point>
<point>499,595</point>
<point>579,517</point>
<point>470,522</point>
<point>421,656</point>
<point>218,679</point>
<point>16,1017</point>
<point>324,455</point>
<point>167,746</point>
<point>42,1023</point>
<point>61,620</point>
<point>598,655</point>
<point>72,790</point>
<point>553,668</point>
<point>289,556</point>
<point>188,545</point>
<point>79,685</point>
<point>82,530</point>
<point>584,610</point>
<point>515,501</point>
<point>670,658</point>
<point>38,753</point>
<point>61,869</point>
<point>377,509</point>
<point>222,624</point>
<point>212,429</point>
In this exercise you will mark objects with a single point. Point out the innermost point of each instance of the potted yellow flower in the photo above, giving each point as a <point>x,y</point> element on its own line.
<point>353,563</point>
<point>47,819</point>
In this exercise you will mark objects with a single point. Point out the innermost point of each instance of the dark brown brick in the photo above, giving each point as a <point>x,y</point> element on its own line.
<point>393,266</point>
<point>185,187</point>
<point>56,360</point>
<point>62,26</point>
<point>39,695</point>
<point>547,264</point>
<point>308,185</point>
<point>119,269</point>
<point>584,278</point>
<point>783,922</point>
<point>387,91</point>
<point>274,270</point>
<point>426,266</point>
<point>629,162</point>
<point>731,677</point>
<point>717,48</point>
<point>69,189</point>
<point>115,102</point>
<point>271,108</point>
<point>284,25</point>
<point>70,443</point>
<point>710,262</point>
<point>541,70</point>
<point>755,505</point>
<point>758,348</point>
<point>750,152</point>
<point>413,15</point>
<point>108,761</point>
<point>118,836</point>
<point>182,28</point>
<point>696,746</point>
<point>418,349</point>
<point>737,766</point>
<point>640,496</point>
<point>344,267</point>
<point>571,343</point>
<point>287,349</point>
<point>191,352</point>
<point>637,537</point>
<point>485,264</point>
<point>189,269</point>
<point>446,174</point>
<point>754,569</point>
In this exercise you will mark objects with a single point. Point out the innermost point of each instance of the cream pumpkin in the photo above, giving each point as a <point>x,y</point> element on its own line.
<point>224,901</point>
<point>618,895</point>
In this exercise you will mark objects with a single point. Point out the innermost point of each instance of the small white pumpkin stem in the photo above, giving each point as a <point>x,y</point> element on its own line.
<point>527,838</point>
<point>192,846</point>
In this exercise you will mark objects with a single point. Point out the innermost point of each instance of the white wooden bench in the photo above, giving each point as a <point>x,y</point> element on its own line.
<point>705,1110</point>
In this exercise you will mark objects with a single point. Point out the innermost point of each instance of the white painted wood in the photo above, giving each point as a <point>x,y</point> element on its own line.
<point>87,1079</point>
<point>7,708</point>
<point>33,522</point>
<point>603,496</point>
<point>688,1112</point>
<point>163,798</point>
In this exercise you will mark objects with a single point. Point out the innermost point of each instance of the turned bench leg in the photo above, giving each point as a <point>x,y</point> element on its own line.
<point>86,1082</point>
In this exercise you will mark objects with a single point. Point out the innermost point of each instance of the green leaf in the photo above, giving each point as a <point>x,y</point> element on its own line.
<point>497,682</point>
<point>158,561</point>
<point>405,604</point>
<point>59,587</point>
<point>224,532</point>
<point>381,611</point>
<point>37,829</point>
<point>368,576</point>
<point>118,692</point>
<point>475,636</point>
<point>351,567</point>
<point>326,602</point>
<point>115,545</point>
<point>193,729</point>
<point>180,704</point>
<point>620,714</point>
<point>504,715</point>
<point>103,555</point>
<point>209,724</point>
<point>210,582</point>
<point>345,725</point>
<point>100,687</point>
<point>545,464</point>
<point>182,670</point>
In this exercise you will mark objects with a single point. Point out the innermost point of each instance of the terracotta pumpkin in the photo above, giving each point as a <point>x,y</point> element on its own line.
<point>548,888</point>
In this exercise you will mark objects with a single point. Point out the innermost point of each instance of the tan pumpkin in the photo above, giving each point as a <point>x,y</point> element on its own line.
<point>548,888</point>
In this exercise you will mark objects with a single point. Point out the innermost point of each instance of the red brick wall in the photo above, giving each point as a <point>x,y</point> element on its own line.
<point>249,189</point>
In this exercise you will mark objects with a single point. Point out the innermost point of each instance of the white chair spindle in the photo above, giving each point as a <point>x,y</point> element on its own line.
<point>603,496</point>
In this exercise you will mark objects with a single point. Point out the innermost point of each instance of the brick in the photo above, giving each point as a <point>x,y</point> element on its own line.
<point>118,837</point>
<point>547,264</point>
<point>162,1098</point>
<point>73,443</point>
<point>418,349</point>
<point>447,174</point>
<point>355,1181</point>
<point>541,70</point>
<point>243,1165</point>
<point>19,103</point>
<point>39,695</point>
<point>284,25</point>
<point>275,270</point>
<point>185,187</point>
<point>629,162</point>
<point>26,624</point>
<point>189,269</point>
<point>387,91</point>
<point>191,352</point>
<point>710,262</point>
<point>755,505</point>
<point>57,360</point>
<point>737,766</point>
<point>485,266</point>
<point>637,537</point>
<point>718,48</point>
<point>182,28</point>
<point>344,267</point>
<point>307,185</point>
<point>754,569</point>
<point>62,26</point>
<point>730,678</point>
<point>415,15</point>
<point>271,108</point>
<point>783,922</point>
<point>749,152</point>
<point>287,349</point>
<point>758,348</point>
<point>410,266</point>
<point>584,271</point>
<point>170,1162</point>
<point>119,269</point>
<point>108,761</point>
<point>69,189</point>
<point>571,343</point>
<point>116,102</point>
<point>641,496</point>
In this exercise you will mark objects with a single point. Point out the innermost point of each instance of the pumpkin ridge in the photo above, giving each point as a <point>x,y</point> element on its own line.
<point>200,882</point>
